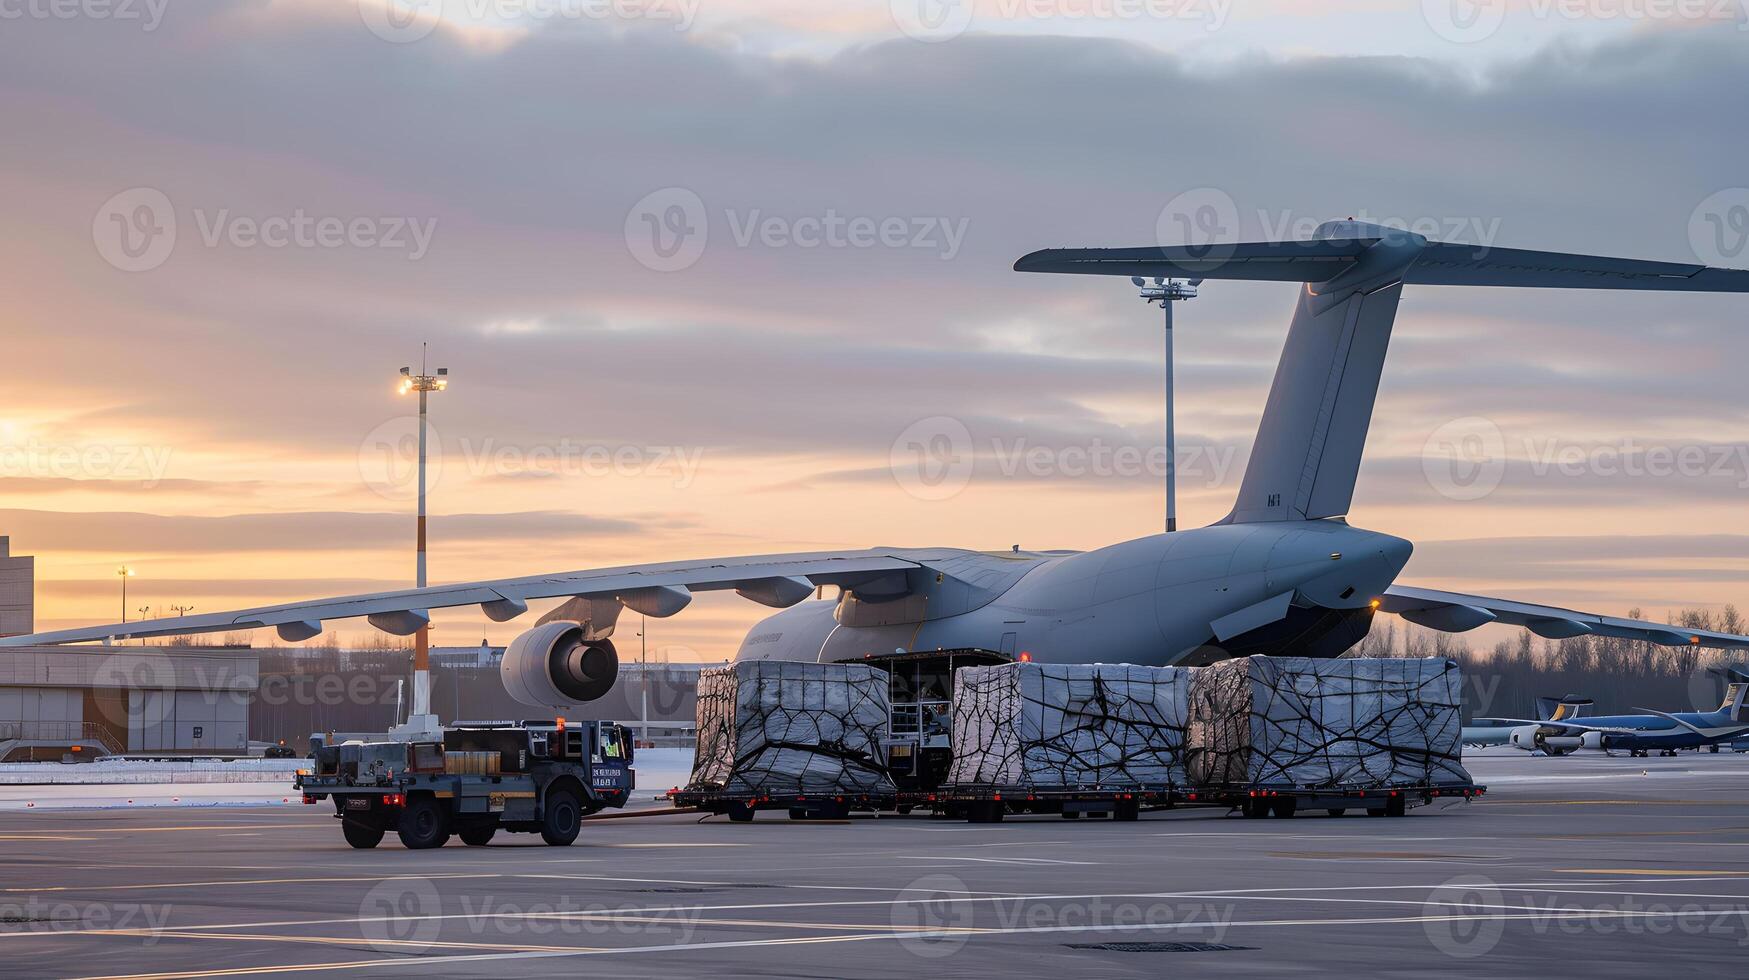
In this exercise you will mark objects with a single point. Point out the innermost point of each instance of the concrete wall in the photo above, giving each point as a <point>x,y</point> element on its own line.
<point>17,591</point>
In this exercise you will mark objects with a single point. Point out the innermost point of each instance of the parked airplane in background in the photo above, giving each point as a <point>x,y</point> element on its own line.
<point>1282,573</point>
<point>1640,734</point>
<point>1483,732</point>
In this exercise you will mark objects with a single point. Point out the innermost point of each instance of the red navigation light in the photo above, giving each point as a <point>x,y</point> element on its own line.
<point>1025,658</point>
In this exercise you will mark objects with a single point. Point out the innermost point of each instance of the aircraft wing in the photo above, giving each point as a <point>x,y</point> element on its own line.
<point>1455,612</point>
<point>655,589</point>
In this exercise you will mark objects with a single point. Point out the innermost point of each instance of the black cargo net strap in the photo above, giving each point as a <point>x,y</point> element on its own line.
<point>1069,726</point>
<point>782,728</point>
<point>1322,724</point>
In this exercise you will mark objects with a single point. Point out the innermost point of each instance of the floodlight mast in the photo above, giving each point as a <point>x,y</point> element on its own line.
<point>424,383</point>
<point>1166,292</point>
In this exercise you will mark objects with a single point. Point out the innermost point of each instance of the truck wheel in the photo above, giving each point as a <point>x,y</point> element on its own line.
<point>424,823</point>
<point>564,818</point>
<point>361,835</point>
<point>478,836</point>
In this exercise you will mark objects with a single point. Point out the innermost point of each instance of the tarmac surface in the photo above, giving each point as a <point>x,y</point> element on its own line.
<point>1578,865</point>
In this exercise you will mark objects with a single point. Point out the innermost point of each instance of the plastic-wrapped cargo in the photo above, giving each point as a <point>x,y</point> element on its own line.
<point>1069,725</point>
<point>1317,724</point>
<point>781,727</point>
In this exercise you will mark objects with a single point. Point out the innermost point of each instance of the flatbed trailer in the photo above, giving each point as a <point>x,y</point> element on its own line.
<point>741,806</point>
<point>521,777</point>
<point>1285,801</point>
<point>986,803</point>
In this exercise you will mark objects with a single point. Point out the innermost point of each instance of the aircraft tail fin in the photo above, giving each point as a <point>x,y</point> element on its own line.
<point>1308,448</point>
<point>1565,708</point>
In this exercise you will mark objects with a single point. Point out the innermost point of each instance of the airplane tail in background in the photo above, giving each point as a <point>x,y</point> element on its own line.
<point>1314,426</point>
<point>1563,708</point>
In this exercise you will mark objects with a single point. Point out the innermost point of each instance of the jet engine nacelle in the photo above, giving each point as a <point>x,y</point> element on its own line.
<point>1531,738</point>
<point>552,666</point>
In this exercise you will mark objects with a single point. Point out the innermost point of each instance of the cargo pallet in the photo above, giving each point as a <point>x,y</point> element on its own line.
<point>1285,801</point>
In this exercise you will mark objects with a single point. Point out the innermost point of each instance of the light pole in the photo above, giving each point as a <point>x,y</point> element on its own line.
<point>424,383</point>
<point>125,573</point>
<point>1166,292</point>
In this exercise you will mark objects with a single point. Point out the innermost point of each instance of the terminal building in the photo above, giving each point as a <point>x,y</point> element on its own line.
<point>77,702</point>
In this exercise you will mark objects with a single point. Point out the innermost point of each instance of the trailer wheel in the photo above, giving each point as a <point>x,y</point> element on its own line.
<point>424,823</point>
<point>564,818</point>
<point>361,835</point>
<point>1284,807</point>
<point>1255,808</point>
<point>989,811</point>
<point>478,836</point>
<point>740,812</point>
<point>1375,811</point>
<point>1127,810</point>
<point>1396,806</point>
<point>1336,811</point>
<point>1071,814</point>
<point>798,813</point>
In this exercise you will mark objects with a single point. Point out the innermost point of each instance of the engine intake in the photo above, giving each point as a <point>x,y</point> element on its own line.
<point>553,666</point>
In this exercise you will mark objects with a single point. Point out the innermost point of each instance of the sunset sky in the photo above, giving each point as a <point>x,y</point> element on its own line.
<point>703,271</point>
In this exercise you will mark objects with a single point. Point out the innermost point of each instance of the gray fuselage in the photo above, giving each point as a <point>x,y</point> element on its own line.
<point>1187,597</point>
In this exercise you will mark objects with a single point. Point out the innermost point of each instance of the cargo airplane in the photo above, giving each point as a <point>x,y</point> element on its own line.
<point>1283,572</point>
<point>1640,734</point>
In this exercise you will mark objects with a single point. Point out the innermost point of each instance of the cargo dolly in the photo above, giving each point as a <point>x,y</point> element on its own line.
<point>986,803</point>
<point>1285,801</point>
<point>741,806</point>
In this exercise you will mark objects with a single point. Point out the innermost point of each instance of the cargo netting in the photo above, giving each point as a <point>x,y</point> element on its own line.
<point>1319,724</point>
<point>1069,725</point>
<point>779,727</point>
